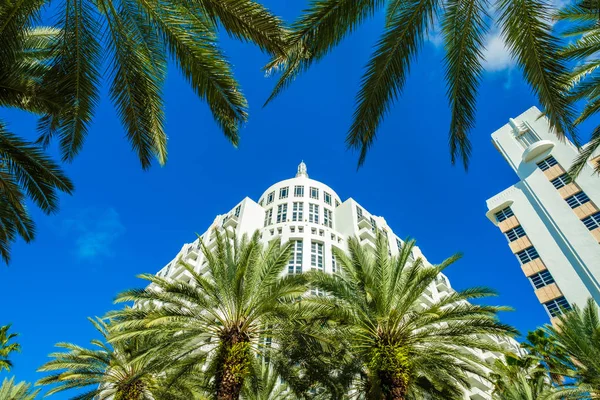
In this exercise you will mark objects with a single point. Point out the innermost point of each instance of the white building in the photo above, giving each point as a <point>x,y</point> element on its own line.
<point>552,224</point>
<point>313,216</point>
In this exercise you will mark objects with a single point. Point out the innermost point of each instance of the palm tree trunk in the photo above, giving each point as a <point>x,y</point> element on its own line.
<point>234,359</point>
<point>393,385</point>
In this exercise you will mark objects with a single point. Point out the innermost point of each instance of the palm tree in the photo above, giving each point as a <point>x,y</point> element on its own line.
<point>525,26</point>
<point>20,391</point>
<point>525,379</point>
<point>407,349</point>
<point>25,171</point>
<point>138,37</point>
<point>122,372</point>
<point>584,80</point>
<point>548,352</point>
<point>219,322</point>
<point>268,387</point>
<point>578,334</point>
<point>6,348</point>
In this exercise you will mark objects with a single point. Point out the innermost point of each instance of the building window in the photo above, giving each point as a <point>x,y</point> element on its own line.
<point>399,244</point>
<point>295,266</point>
<point>238,209</point>
<point>316,256</point>
<point>556,307</point>
<point>337,203</point>
<point>527,255</point>
<point>283,192</point>
<point>298,191</point>
<point>314,193</point>
<point>373,224</point>
<point>561,181</point>
<point>327,217</point>
<point>313,213</point>
<point>297,211</point>
<point>515,233</point>
<point>333,262</point>
<point>327,198</point>
<point>592,222</point>
<point>527,138</point>
<point>270,197</point>
<point>504,214</point>
<point>359,212</point>
<point>281,213</point>
<point>577,199</point>
<point>268,216</point>
<point>547,163</point>
<point>541,279</point>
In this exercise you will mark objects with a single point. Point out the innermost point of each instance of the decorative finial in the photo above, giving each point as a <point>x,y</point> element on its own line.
<point>302,170</point>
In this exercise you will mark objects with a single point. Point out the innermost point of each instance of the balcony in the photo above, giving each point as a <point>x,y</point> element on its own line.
<point>363,222</point>
<point>367,234</point>
<point>479,382</point>
<point>441,283</point>
<point>368,242</point>
<point>231,222</point>
<point>478,394</point>
<point>536,149</point>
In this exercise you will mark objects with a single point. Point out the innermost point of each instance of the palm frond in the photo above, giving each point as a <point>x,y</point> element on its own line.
<point>388,69</point>
<point>464,28</point>
<point>527,32</point>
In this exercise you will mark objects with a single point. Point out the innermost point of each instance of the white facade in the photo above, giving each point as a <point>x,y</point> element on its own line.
<point>313,215</point>
<point>557,218</point>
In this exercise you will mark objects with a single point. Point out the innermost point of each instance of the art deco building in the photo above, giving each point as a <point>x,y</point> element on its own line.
<point>312,216</point>
<point>552,224</point>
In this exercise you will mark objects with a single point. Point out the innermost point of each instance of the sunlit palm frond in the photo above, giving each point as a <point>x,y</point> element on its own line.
<point>7,346</point>
<point>322,26</point>
<point>138,75</point>
<point>388,69</point>
<point>464,28</point>
<point>527,31</point>
<point>20,391</point>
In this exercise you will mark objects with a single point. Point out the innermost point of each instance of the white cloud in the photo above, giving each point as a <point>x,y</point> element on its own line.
<point>95,232</point>
<point>496,54</point>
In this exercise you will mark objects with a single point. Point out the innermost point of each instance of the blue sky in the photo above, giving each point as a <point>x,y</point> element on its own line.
<point>122,221</point>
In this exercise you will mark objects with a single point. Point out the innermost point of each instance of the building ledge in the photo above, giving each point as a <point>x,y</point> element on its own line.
<point>537,149</point>
<point>491,214</point>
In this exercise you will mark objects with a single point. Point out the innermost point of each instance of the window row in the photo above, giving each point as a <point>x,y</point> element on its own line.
<point>527,255</point>
<point>561,181</point>
<point>577,199</point>
<point>316,257</point>
<point>514,233</point>
<point>557,306</point>
<point>541,279</point>
<point>547,163</point>
<point>298,214</point>
<point>284,193</point>
<point>592,221</point>
<point>504,214</point>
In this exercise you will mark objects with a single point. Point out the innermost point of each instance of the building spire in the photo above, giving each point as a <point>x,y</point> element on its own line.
<point>302,170</point>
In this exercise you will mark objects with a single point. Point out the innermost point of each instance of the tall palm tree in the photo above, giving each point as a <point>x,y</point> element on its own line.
<point>525,26</point>
<point>122,372</point>
<point>20,391</point>
<point>25,171</point>
<point>217,323</point>
<point>407,349</point>
<point>138,37</point>
<point>584,79</point>
<point>578,333</point>
<point>6,347</point>
<point>525,379</point>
